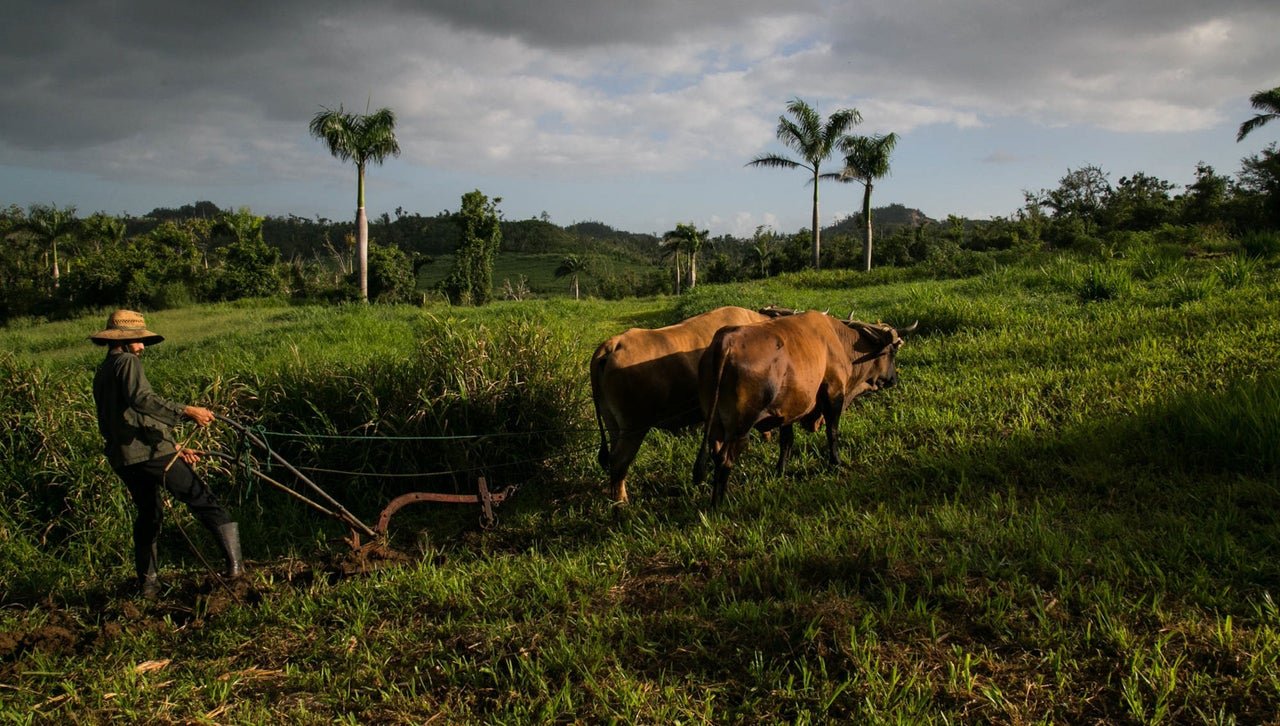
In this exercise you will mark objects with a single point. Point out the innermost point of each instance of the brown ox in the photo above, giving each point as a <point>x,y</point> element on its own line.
<point>774,373</point>
<point>644,379</point>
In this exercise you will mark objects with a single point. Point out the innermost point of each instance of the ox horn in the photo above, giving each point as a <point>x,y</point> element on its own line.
<point>910,328</point>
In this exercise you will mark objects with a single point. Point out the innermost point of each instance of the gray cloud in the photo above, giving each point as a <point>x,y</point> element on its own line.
<point>1113,65</point>
<point>574,90</point>
<point>570,24</point>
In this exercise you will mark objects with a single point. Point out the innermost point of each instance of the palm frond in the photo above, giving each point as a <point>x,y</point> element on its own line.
<point>352,137</point>
<point>1266,101</point>
<point>838,124</point>
<point>867,157</point>
<point>774,161</point>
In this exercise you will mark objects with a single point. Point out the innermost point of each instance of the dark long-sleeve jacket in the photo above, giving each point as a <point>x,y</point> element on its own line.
<point>134,420</point>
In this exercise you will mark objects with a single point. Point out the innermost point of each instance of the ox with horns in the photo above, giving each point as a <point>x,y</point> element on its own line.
<point>644,379</point>
<point>775,373</point>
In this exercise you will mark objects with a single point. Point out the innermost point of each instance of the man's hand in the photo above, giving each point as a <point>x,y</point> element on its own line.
<point>191,456</point>
<point>202,416</point>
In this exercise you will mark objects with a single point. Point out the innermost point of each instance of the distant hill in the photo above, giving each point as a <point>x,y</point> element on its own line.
<point>887,218</point>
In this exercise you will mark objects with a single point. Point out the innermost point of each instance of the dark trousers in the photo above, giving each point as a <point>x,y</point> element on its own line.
<point>144,481</point>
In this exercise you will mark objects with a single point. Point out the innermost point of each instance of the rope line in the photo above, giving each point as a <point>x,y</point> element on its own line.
<point>468,470</point>
<point>262,432</point>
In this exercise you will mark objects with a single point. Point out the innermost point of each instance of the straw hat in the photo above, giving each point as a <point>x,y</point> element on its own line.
<point>125,326</point>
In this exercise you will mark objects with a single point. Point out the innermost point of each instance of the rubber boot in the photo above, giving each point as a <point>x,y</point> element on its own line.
<point>148,580</point>
<point>228,536</point>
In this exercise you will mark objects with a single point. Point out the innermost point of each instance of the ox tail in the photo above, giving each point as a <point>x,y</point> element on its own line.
<point>602,456</point>
<point>700,463</point>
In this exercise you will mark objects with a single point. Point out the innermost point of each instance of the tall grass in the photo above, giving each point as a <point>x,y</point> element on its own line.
<point>1065,512</point>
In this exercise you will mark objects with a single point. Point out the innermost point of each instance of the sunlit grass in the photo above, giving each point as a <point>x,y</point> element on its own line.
<point>1064,513</point>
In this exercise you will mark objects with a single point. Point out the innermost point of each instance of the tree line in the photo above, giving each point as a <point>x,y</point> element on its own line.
<point>54,263</point>
<point>1081,198</point>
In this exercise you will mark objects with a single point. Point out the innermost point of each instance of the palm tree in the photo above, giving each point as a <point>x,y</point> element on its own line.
<point>807,134</point>
<point>571,266</point>
<point>240,227</point>
<point>672,247</point>
<point>761,249</point>
<point>48,225</point>
<point>1266,101</point>
<point>866,158</point>
<point>102,229</point>
<point>362,139</point>
<point>688,239</point>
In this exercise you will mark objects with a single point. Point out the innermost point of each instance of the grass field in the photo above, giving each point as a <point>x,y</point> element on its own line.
<point>1066,512</point>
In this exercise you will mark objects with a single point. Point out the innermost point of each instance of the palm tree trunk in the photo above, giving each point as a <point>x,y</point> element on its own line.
<point>866,216</point>
<point>362,252</point>
<point>817,243</point>
<point>362,237</point>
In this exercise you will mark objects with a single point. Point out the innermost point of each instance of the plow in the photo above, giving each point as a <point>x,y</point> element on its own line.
<point>322,502</point>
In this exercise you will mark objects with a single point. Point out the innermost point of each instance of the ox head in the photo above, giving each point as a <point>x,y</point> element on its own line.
<point>777,311</point>
<point>881,360</point>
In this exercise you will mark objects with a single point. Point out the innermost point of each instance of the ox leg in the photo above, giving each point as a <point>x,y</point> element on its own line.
<point>700,465</point>
<point>786,440</point>
<point>833,434</point>
<point>725,460</point>
<point>624,452</point>
<point>710,450</point>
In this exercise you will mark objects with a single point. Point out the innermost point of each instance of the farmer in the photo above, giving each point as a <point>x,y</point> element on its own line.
<point>135,423</point>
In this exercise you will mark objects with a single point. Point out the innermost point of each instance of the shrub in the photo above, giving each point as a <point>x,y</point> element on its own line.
<point>45,442</point>
<point>391,277</point>
<point>515,385</point>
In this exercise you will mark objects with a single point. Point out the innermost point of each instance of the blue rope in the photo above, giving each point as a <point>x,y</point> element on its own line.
<point>246,449</point>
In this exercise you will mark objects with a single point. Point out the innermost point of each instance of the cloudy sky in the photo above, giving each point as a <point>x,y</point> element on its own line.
<point>636,113</point>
